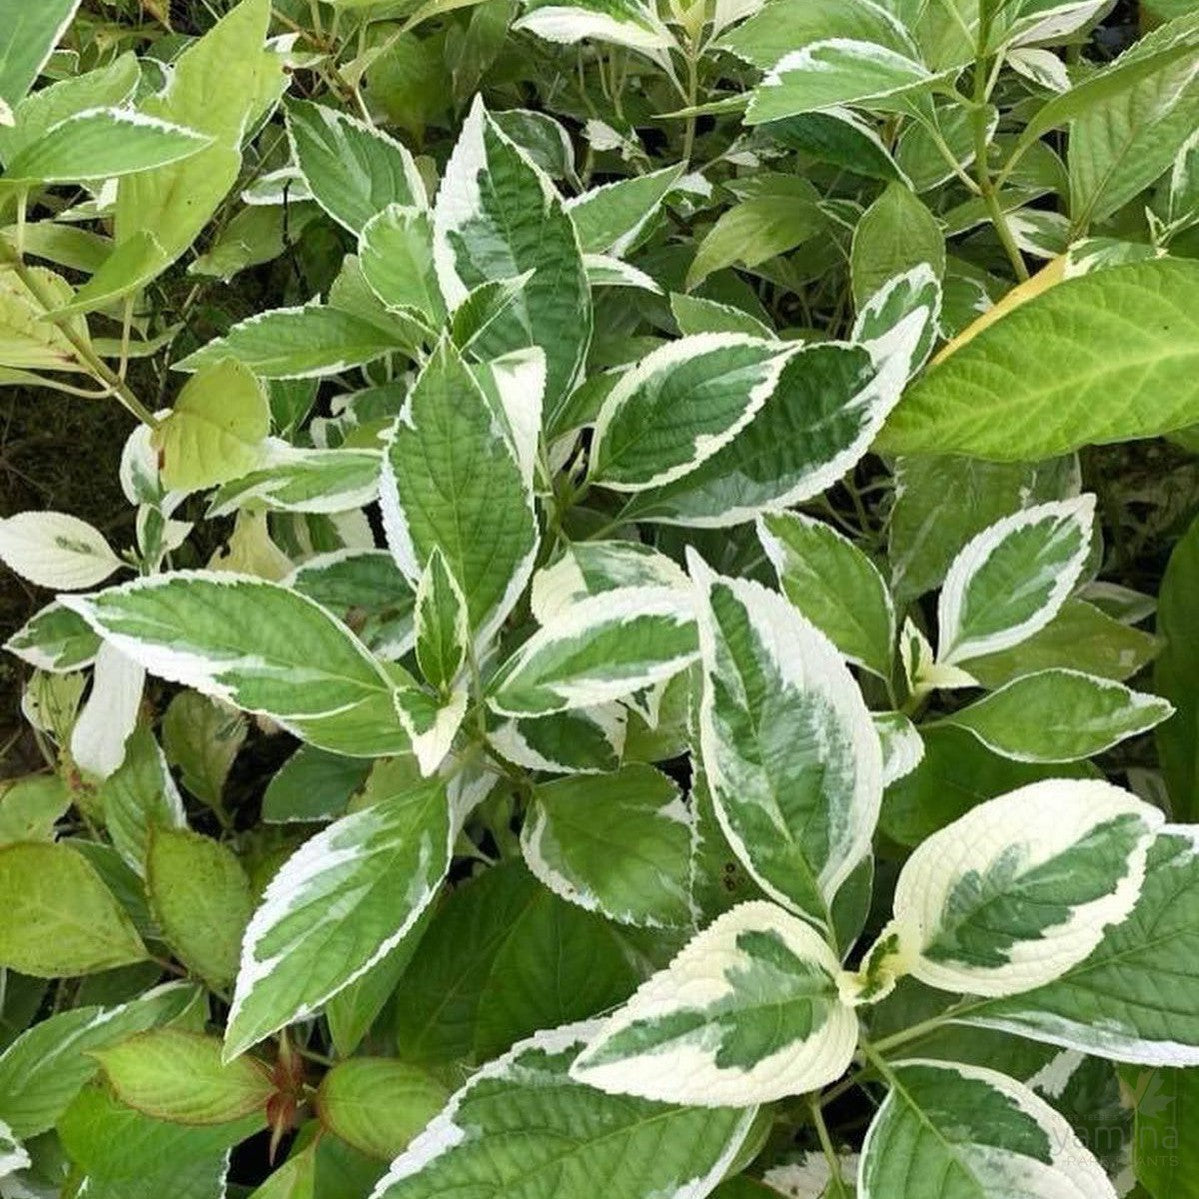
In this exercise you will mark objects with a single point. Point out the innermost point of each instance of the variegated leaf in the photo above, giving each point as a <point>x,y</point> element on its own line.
<point>748,1012</point>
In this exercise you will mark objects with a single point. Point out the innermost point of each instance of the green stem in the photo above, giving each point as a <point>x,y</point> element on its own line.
<point>837,1179</point>
<point>694,49</point>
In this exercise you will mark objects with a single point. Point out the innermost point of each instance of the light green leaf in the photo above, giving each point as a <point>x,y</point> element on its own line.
<point>926,533</point>
<point>202,737</point>
<point>56,640</point>
<point>1176,675</point>
<point>825,410</point>
<point>139,797</point>
<point>838,71</point>
<point>695,315</point>
<point>782,212</point>
<point>611,219</point>
<point>56,550</point>
<point>1118,360</point>
<point>496,217</point>
<point>396,255</point>
<point>1021,888</point>
<point>503,958</point>
<point>1060,716</point>
<point>31,31</point>
<point>201,898</point>
<point>378,1105</point>
<point>442,623</point>
<point>28,341</point>
<point>749,1012</point>
<point>179,1076</point>
<point>1134,998</point>
<point>633,23</point>
<point>603,648</point>
<point>353,170</point>
<point>216,429</point>
<point>294,957</point>
<point>298,343</point>
<point>45,1067</point>
<point>948,1129</point>
<point>60,918</point>
<point>834,585</point>
<point>896,234</point>
<point>619,844</point>
<point>1012,579</point>
<point>295,1179</point>
<point>103,143</point>
<point>719,381</point>
<point>789,750</point>
<point>289,478</point>
<point>455,478</point>
<point>215,88</point>
<point>129,267</point>
<point>523,1116</point>
<point>1081,637</point>
<point>592,567</point>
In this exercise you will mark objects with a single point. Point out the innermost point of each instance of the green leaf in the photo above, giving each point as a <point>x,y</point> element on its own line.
<point>396,255</point>
<point>834,585</point>
<point>378,1105</point>
<point>523,1119</point>
<point>926,533</point>
<point>254,644</point>
<point>202,737</point>
<point>619,844</point>
<point>45,1067</point>
<point>31,31</point>
<point>456,479</point>
<point>295,1179</point>
<point>1012,579</point>
<point>782,212</point>
<point>956,773</point>
<point>127,269</point>
<point>948,1129</point>
<point>30,807</point>
<point>139,797</point>
<point>749,1012</point>
<point>201,898</point>
<point>825,410</point>
<point>442,623</point>
<point>1021,888</point>
<point>496,217</point>
<point>581,741</point>
<point>55,640</point>
<point>294,959</point>
<point>503,958</point>
<point>103,143</point>
<point>298,343</point>
<point>60,918</point>
<point>215,89</point>
<point>312,785</point>
<point>28,341</point>
<point>114,1143</point>
<point>719,381</point>
<point>1082,637</point>
<point>835,72</point>
<point>216,429</point>
<point>788,746</point>
<point>1060,716</point>
<point>1176,675</point>
<point>695,315</point>
<point>896,233</point>
<point>600,649</point>
<point>353,170</point>
<point>179,1076</point>
<point>1117,360</point>
<point>611,219</point>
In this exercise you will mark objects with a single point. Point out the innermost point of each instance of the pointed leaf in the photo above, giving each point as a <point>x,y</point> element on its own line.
<point>52,549</point>
<point>442,623</point>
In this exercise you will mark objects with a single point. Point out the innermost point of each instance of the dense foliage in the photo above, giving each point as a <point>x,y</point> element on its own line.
<point>627,670</point>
